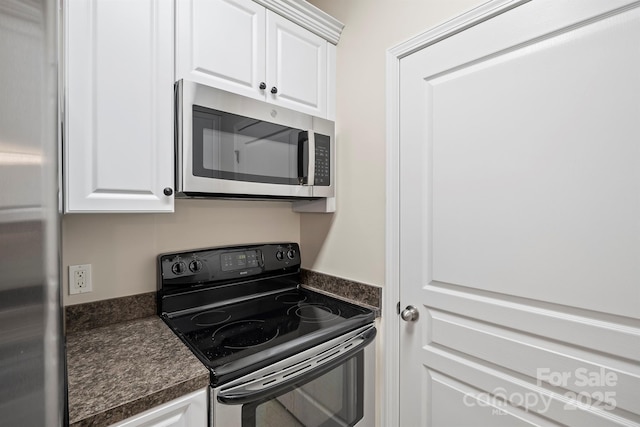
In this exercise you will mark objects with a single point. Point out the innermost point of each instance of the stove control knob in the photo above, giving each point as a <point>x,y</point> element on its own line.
<point>280,255</point>
<point>291,253</point>
<point>195,265</point>
<point>179,267</point>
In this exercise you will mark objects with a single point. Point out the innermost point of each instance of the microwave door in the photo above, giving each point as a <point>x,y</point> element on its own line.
<point>234,154</point>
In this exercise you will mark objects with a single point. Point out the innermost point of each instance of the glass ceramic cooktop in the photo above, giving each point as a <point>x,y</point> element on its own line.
<point>266,328</point>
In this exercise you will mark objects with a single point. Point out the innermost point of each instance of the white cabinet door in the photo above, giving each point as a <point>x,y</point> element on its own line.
<point>119,105</point>
<point>221,43</point>
<point>296,67</point>
<point>186,411</point>
<point>241,47</point>
<point>519,219</point>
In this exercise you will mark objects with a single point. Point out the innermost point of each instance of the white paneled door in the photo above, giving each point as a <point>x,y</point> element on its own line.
<point>519,169</point>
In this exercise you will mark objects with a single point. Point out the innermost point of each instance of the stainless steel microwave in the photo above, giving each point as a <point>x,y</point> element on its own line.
<point>229,145</point>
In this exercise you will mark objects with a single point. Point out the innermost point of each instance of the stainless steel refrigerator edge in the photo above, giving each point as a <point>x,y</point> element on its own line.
<point>31,343</point>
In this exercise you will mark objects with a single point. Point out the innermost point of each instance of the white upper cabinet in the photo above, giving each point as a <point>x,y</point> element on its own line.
<point>118,112</point>
<point>221,43</point>
<point>243,47</point>
<point>296,67</point>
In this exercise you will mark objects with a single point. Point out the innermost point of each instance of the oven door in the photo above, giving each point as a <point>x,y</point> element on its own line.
<point>329,385</point>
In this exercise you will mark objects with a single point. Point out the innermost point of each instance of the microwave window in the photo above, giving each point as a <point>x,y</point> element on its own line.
<point>234,147</point>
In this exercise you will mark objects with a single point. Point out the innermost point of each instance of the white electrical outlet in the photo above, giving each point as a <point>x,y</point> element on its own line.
<point>79,279</point>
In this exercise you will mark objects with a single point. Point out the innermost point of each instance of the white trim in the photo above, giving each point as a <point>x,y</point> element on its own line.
<point>308,16</point>
<point>391,292</point>
<point>453,26</point>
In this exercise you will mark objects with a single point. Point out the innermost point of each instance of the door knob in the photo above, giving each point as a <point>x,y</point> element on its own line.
<point>274,90</point>
<point>410,314</point>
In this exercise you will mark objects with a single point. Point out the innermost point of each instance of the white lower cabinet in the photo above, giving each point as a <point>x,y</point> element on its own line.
<point>118,105</point>
<point>186,411</point>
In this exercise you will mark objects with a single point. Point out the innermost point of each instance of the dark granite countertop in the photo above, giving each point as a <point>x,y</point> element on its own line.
<point>122,369</point>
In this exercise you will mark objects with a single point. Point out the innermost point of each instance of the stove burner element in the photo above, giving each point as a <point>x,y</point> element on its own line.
<point>210,318</point>
<point>291,298</point>
<point>244,334</point>
<point>314,312</point>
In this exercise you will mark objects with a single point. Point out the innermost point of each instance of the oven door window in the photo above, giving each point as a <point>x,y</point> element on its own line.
<point>333,399</point>
<point>233,147</point>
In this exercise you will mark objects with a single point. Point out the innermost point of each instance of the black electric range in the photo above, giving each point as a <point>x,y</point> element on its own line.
<point>242,308</point>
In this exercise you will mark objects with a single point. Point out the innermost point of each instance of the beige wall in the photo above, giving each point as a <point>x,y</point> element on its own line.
<point>351,243</point>
<point>122,248</point>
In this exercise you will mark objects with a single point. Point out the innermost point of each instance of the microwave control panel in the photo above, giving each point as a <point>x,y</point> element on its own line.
<point>323,160</point>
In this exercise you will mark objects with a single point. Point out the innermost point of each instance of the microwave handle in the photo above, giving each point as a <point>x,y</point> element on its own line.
<point>307,151</point>
<point>311,165</point>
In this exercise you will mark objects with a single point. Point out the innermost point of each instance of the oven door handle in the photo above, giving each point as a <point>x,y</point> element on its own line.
<point>289,378</point>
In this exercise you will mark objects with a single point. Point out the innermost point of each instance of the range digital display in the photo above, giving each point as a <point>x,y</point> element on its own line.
<point>232,261</point>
